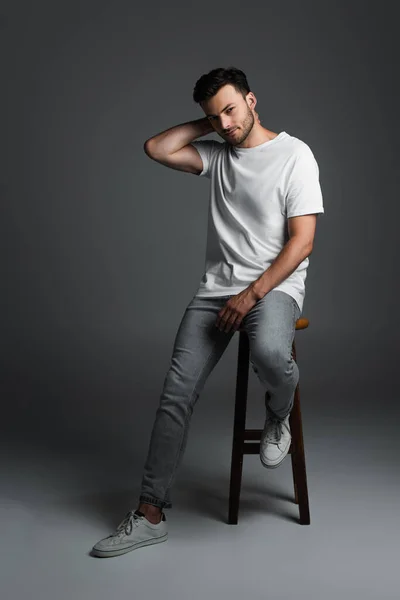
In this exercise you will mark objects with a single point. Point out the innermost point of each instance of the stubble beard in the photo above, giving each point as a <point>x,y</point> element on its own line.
<point>246,128</point>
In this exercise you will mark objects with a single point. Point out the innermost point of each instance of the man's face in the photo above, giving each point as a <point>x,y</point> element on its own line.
<point>228,111</point>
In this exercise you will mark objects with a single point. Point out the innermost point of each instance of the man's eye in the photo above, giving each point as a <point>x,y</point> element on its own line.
<point>227,110</point>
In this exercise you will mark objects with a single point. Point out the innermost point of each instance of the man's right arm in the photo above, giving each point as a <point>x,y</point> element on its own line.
<point>173,148</point>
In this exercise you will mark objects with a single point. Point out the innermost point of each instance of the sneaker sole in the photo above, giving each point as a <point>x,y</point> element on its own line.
<point>274,466</point>
<point>116,552</point>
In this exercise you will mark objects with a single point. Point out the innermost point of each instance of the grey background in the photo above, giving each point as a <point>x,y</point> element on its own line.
<point>101,251</point>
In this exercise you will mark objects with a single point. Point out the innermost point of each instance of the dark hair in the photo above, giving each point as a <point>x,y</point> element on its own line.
<point>210,83</point>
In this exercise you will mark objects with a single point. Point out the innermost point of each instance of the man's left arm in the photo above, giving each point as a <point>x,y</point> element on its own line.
<point>300,244</point>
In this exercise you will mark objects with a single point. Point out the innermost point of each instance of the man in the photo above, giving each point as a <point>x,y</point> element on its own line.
<point>264,200</point>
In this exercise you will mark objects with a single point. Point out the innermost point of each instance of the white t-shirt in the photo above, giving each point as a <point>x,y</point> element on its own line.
<point>253,191</point>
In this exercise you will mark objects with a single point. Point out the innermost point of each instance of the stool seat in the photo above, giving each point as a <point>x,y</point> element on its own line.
<point>301,323</point>
<point>241,435</point>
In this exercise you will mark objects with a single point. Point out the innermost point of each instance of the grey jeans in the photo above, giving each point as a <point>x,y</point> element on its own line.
<point>199,344</point>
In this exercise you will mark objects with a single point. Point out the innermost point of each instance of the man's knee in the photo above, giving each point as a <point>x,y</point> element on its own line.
<point>271,357</point>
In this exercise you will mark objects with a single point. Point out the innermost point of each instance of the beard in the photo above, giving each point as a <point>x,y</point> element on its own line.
<point>245,128</point>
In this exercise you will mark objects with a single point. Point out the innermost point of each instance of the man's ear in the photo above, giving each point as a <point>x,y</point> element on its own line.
<point>253,102</point>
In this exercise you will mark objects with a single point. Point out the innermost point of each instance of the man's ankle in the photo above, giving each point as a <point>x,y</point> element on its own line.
<point>151,512</point>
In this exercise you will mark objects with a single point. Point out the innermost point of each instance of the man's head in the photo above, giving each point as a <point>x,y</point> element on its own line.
<point>226,99</point>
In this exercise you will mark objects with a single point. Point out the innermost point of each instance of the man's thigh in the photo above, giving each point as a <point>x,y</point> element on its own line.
<point>198,344</point>
<point>271,323</point>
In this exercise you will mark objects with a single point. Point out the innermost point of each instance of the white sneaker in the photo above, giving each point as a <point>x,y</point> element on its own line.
<point>133,532</point>
<point>275,441</point>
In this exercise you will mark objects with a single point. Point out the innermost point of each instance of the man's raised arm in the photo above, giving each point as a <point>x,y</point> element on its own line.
<point>173,149</point>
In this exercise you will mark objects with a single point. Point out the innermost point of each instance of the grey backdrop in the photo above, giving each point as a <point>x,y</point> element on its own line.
<point>102,249</point>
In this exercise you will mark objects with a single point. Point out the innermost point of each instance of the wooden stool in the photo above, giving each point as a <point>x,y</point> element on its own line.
<point>241,435</point>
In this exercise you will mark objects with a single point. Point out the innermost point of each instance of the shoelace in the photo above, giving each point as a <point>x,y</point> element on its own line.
<point>130,520</point>
<point>274,431</point>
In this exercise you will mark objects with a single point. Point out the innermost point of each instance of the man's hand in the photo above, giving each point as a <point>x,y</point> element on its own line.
<point>234,311</point>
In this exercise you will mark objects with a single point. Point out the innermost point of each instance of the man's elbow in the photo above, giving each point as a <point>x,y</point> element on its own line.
<point>309,249</point>
<point>305,245</point>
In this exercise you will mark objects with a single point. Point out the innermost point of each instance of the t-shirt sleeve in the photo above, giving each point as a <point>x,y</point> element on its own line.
<point>304,195</point>
<point>207,150</point>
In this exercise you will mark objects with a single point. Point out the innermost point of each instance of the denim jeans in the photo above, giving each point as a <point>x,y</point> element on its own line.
<point>198,346</point>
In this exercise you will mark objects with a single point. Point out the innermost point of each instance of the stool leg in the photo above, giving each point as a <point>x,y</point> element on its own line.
<point>296,494</point>
<point>239,429</point>
<point>298,457</point>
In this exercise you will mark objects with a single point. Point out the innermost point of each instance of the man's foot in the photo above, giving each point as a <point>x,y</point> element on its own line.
<point>275,441</point>
<point>134,531</point>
